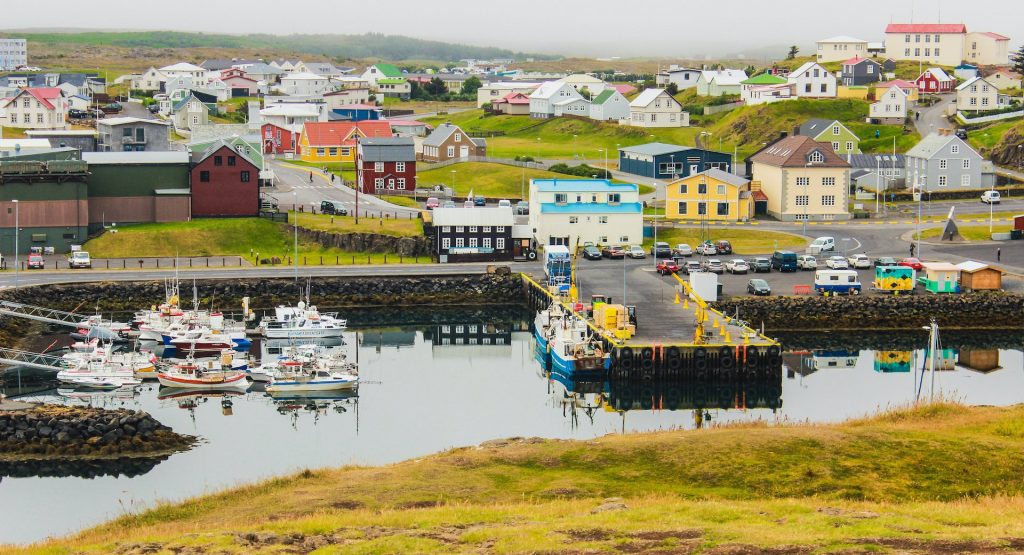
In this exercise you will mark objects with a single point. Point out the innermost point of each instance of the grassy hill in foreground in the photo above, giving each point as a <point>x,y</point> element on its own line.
<point>936,479</point>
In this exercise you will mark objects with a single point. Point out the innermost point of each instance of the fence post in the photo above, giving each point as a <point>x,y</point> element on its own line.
<point>321,260</point>
<point>337,257</point>
<point>368,259</point>
<point>385,258</point>
<point>157,262</point>
<point>353,260</point>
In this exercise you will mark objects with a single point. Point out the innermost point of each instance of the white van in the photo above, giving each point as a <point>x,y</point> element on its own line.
<point>835,282</point>
<point>821,244</point>
<point>990,197</point>
<point>79,259</point>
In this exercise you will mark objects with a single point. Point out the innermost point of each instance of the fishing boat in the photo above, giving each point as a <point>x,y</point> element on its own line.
<point>205,375</point>
<point>316,380</point>
<point>302,321</point>
<point>545,323</point>
<point>312,368</point>
<point>574,348</point>
<point>99,368</point>
<point>201,339</point>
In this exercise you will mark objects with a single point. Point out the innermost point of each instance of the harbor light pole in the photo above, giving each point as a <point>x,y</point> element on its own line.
<point>453,183</point>
<point>920,197</point>
<point>17,229</point>
<point>295,209</point>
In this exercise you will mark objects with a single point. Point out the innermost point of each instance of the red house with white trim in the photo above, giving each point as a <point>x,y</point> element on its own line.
<point>239,83</point>
<point>224,183</point>
<point>386,165</point>
<point>934,81</point>
<point>278,139</point>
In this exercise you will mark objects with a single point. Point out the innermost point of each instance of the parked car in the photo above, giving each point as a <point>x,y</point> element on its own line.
<point>821,244</point>
<point>737,266</point>
<point>36,262</point>
<point>75,113</point>
<point>613,251</point>
<point>79,259</point>
<point>682,249</point>
<point>723,247</point>
<point>333,207</point>
<point>837,263</point>
<point>714,266</point>
<point>886,261</point>
<point>760,264</point>
<point>479,201</point>
<point>448,204</point>
<point>807,262</point>
<point>503,203</point>
<point>784,261</point>
<point>990,197</point>
<point>758,286</point>
<point>522,208</point>
<point>636,251</point>
<point>961,133</point>
<point>661,250</point>
<point>153,108</point>
<point>666,267</point>
<point>433,203</point>
<point>858,261</point>
<point>707,248</point>
<point>692,266</point>
<point>590,252</point>
<point>912,263</point>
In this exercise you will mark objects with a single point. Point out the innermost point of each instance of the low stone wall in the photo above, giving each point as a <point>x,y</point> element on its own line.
<point>51,431</point>
<point>369,242</point>
<point>226,294</point>
<point>982,310</point>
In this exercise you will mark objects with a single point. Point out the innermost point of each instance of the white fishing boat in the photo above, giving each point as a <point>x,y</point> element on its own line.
<point>206,375</point>
<point>312,368</point>
<point>201,339</point>
<point>302,321</point>
<point>573,347</point>
<point>101,368</point>
<point>317,380</point>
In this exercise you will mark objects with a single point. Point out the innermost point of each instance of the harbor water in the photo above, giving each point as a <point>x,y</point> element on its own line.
<point>428,387</point>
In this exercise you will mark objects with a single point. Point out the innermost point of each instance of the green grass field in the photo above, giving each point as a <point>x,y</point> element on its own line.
<point>969,232</point>
<point>492,180</point>
<point>744,241</point>
<point>939,479</point>
<point>229,237</point>
<point>985,138</point>
<point>402,227</point>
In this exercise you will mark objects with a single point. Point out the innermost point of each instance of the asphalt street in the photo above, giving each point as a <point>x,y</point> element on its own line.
<point>294,186</point>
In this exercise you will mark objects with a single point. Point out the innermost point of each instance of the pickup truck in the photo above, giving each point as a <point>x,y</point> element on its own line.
<point>79,259</point>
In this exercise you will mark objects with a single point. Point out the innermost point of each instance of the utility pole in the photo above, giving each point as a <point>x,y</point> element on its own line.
<point>17,229</point>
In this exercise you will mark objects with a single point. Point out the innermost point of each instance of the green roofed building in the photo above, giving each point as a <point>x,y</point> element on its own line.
<point>388,81</point>
<point>609,105</point>
<point>765,79</point>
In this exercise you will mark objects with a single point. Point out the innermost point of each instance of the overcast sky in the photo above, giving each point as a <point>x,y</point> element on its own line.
<point>593,28</point>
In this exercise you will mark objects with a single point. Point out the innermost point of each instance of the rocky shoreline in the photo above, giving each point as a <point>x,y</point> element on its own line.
<point>59,432</point>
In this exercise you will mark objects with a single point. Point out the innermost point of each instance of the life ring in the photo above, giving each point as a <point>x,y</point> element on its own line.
<point>701,364</point>
<point>674,363</point>
<point>532,255</point>
<point>646,363</point>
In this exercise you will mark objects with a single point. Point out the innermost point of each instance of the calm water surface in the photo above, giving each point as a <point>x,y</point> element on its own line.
<point>422,392</point>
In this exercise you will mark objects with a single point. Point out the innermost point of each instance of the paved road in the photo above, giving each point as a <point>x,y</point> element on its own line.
<point>293,182</point>
<point>933,117</point>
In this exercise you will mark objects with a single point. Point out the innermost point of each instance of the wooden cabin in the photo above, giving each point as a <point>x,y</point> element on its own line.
<point>975,276</point>
<point>980,360</point>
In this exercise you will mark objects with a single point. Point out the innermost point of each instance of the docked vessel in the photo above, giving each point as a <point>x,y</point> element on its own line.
<point>573,347</point>
<point>96,366</point>
<point>302,321</point>
<point>205,375</point>
<point>310,368</point>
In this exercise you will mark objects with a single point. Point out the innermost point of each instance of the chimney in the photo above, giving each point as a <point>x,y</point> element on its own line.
<point>796,130</point>
<point>783,135</point>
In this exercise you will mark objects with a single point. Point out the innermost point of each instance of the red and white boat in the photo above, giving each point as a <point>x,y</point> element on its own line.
<point>202,339</point>
<point>208,375</point>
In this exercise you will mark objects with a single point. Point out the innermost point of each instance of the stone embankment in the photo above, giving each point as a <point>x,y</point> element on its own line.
<point>59,432</point>
<point>982,310</point>
<point>410,247</point>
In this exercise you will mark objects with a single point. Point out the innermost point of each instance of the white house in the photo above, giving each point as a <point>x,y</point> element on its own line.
<point>498,90</point>
<point>580,81</point>
<point>657,108</point>
<point>837,49</point>
<point>891,109</point>
<point>571,211</point>
<point>610,105</point>
<point>813,81</point>
<point>753,95</point>
<point>149,81</point>
<point>289,115</point>
<point>978,94</point>
<point>571,107</point>
<point>183,69</point>
<point>720,83</point>
<point>543,99</point>
<point>37,108</point>
<point>683,77</point>
<point>305,84</point>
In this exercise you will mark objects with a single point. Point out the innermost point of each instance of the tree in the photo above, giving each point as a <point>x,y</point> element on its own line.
<point>435,87</point>
<point>672,89</point>
<point>1017,59</point>
<point>793,51</point>
<point>470,86</point>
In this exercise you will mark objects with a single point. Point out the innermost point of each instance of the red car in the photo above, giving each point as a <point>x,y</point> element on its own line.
<point>36,262</point>
<point>666,267</point>
<point>912,263</point>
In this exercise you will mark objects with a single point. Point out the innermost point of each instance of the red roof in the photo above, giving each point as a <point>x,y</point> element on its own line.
<point>926,28</point>
<point>759,196</point>
<point>897,83</point>
<point>336,133</point>
<point>624,89</point>
<point>44,95</point>
<point>515,98</point>
<point>996,36</point>
<point>856,60</point>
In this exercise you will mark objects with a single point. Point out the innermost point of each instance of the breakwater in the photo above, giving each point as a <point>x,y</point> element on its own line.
<point>981,310</point>
<point>59,432</point>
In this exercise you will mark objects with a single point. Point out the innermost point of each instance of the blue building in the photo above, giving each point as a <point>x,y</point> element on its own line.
<point>664,161</point>
<point>356,112</point>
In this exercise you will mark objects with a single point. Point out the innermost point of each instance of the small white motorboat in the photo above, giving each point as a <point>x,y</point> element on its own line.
<point>317,380</point>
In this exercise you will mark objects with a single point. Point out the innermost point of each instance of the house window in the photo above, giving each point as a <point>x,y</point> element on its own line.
<point>486,242</point>
<point>682,208</point>
<point>943,164</point>
<point>39,117</point>
<point>828,200</point>
<point>574,219</point>
<point>828,181</point>
<point>401,183</point>
<point>458,137</point>
<point>446,229</point>
<point>824,87</point>
<point>927,51</point>
<point>967,163</point>
<point>906,52</point>
<point>965,180</point>
<point>378,167</point>
<point>936,51</point>
<point>955,149</point>
<point>702,208</point>
<point>400,167</point>
<point>446,243</point>
<point>472,229</point>
<point>245,177</point>
<point>802,200</point>
<point>345,151</point>
<point>835,146</point>
<point>204,177</point>
<point>499,229</point>
<point>473,241</point>
<point>682,189</point>
<point>835,129</point>
<point>561,198</point>
<point>721,190</point>
<point>231,160</point>
<point>871,69</point>
<point>218,161</point>
<point>460,242</point>
<point>849,146</point>
<point>723,208</point>
<point>974,101</point>
<point>602,219</point>
<point>816,157</point>
<point>378,183</point>
<point>906,38</point>
<point>499,243</point>
<point>333,151</point>
<point>803,181</point>
<point>801,217</point>
<point>917,38</point>
<point>320,152</point>
<point>614,198</point>
<point>917,52</point>
<point>942,181</point>
<point>624,239</point>
<point>702,188</point>
<point>486,229</point>
<point>984,102</point>
<point>451,152</point>
<point>460,229</point>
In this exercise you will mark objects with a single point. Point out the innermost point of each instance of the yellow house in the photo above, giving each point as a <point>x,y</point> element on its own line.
<point>803,180</point>
<point>712,194</point>
<point>852,92</point>
<point>336,141</point>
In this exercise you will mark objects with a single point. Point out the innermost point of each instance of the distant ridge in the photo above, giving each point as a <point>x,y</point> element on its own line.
<point>369,45</point>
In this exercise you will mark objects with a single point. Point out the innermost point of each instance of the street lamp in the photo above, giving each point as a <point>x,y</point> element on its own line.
<point>295,210</point>
<point>453,183</point>
<point>17,228</point>
<point>807,198</point>
<point>923,179</point>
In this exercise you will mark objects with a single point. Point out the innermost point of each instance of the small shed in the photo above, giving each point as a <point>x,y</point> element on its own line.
<point>975,276</point>
<point>941,277</point>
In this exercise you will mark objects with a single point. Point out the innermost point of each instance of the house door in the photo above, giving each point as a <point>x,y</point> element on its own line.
<point>463,152</point>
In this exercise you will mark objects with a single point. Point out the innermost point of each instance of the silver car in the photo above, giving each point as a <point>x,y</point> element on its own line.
<point>714,266</point>
<point>636,252</point>
<point>682,249</point>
